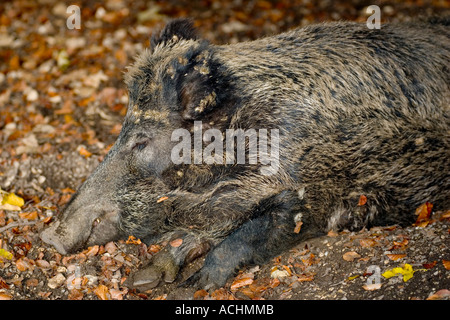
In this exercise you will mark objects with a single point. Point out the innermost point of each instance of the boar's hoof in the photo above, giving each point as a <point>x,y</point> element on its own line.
<point>207,279</point>
<point>162,267</point>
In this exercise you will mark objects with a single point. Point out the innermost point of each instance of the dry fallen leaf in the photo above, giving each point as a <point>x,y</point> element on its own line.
<point>305,277</point>
<point>277,273</point>
<point>362,200</point>
<point>161,199</point>
<point>84,152</point>
<point>241,283</point>
<point>372,286</point>
<point>423,212</point>
<point>367,243</point>
<point>200,294</point>
<point>10,201</point>
<point>429,265</point>
<point>441,294</point>
<point>6,254</point>
<point>395,257</point>
<point>133,240</point>
<point>102,292</point>
<point>446,264</point>
<point>29,215</point>
<point>5,296</point>
<point>91,251</point>
<point>350,256</point>
<point>407,271</point>
<point>176,243</point>
<point>298,226</point>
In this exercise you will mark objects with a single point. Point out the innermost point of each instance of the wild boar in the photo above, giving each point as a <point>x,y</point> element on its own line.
<point>341,127</point>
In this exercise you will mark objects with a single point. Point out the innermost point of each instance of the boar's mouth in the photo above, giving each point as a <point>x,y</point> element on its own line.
<point>79,230</point>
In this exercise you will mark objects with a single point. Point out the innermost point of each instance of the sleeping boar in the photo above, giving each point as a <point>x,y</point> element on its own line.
<point>242,151</point>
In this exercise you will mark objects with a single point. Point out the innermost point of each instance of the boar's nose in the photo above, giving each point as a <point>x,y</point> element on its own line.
<point>49,236</point>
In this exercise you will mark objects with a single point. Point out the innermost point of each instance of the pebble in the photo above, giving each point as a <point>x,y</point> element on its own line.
<point>56,281</point>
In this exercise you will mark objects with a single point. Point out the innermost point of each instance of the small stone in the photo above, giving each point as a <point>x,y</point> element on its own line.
<point>56,281</point>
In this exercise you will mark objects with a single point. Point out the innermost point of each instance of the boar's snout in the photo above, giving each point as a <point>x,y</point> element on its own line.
<point>81,228</point>
<point>49,236</point>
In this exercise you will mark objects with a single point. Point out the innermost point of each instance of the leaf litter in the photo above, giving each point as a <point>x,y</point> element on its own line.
<point>61,105</point>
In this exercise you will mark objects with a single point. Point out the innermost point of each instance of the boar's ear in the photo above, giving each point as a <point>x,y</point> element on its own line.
<point>199,87</point>
<point>174,31</point>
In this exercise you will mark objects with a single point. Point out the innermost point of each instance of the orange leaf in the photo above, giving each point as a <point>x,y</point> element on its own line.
<point>102,292</point>
<point>362,200</point>
<point>241,283</point>
<point>446,215</point>
<point>29,215</point>
<point>423,212</point>
<point>68,190</point>
<point>298,226</point>
<point>200,294</point>
<point>5,296</point>
<point>446,264</point>
<point>24,264</point>
<point>395,257</point>
<point>332,234</point>
<point>133,240</point>
<point>154,248</point>
<point>305,277</point>
<point>84,152</point>
<point>91,251</point>
<point>161,199</point>
<point>176,243</point>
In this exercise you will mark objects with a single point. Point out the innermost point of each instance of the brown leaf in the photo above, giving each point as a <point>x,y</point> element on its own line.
<point>362,200</point>
<point>24,264</point>
<point>29,215</point>
<point>446,264</point>
<point>350,256</point>
<point>372,286</point>
<point>395,257</point>
<point>429,265</point>
<point>176,243</point>
<point>423,212</point>
<point>298,226</point>
<point>441,294</point>
<point>367,243</point>
<point>75,294</point>
<point>305,277</point>
<point>332,233</point>
<point>91,251</point>
<point>241,283</point>
<point>102,292</point>
<point>200,294</point>
<point>5,296</point>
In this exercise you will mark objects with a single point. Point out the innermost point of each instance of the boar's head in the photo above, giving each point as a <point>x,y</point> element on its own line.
<point>171,85</point>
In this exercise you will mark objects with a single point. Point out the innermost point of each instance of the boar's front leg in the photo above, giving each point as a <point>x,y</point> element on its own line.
<point>164,266</point>
<point>259,239</point>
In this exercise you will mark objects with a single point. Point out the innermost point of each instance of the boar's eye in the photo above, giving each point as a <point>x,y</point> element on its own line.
<point>140,145</point>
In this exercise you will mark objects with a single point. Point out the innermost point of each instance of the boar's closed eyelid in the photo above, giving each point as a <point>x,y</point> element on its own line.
<point>140,144</point>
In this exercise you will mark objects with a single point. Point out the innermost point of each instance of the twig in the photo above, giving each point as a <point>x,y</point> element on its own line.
<point>17,224</point>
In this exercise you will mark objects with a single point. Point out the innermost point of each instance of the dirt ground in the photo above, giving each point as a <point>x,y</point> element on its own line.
<point>62,100</point>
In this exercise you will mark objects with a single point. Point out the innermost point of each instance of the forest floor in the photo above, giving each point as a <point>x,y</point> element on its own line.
<point>62,100</point>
